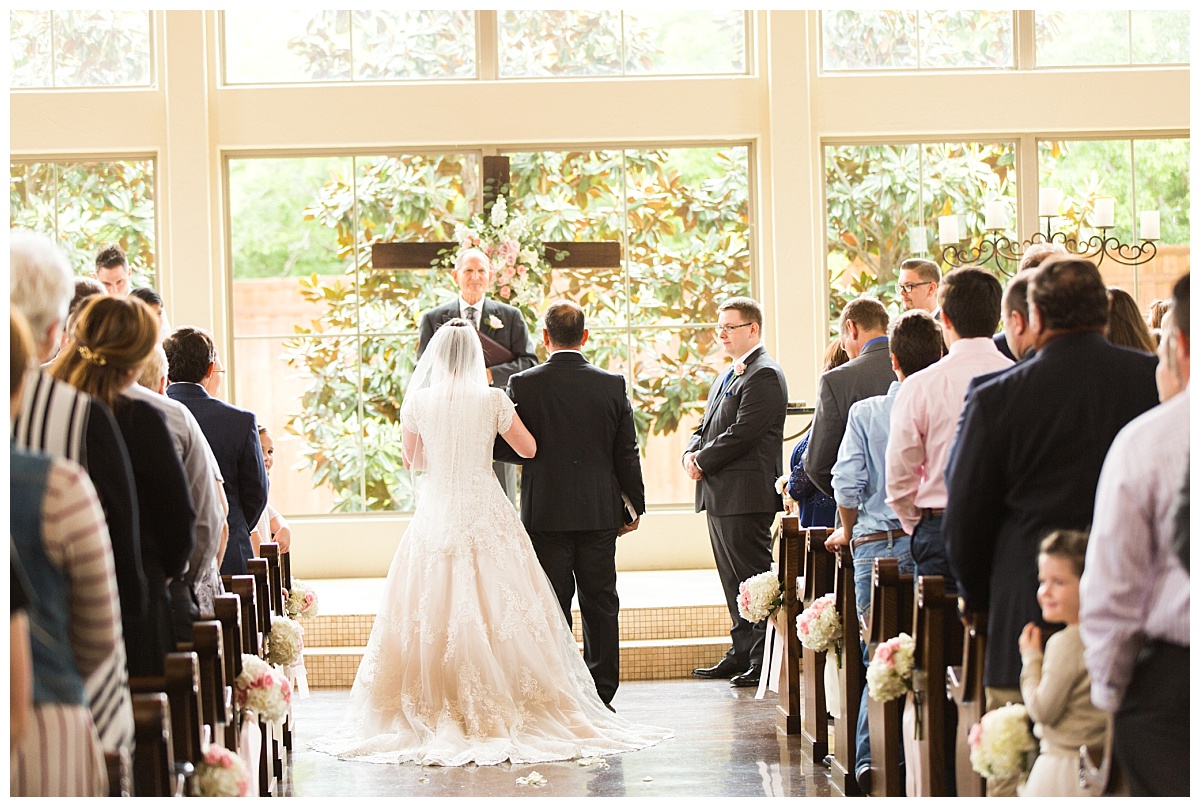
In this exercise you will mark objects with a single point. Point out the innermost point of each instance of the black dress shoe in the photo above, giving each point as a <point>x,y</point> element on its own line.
<point>747,679</point>
<point>610,708</point>
<point>727,667</point>
<point>863,778</point>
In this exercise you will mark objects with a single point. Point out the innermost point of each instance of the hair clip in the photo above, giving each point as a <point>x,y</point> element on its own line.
<point>91,356</point>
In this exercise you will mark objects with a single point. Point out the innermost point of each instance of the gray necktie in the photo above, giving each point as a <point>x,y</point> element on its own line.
<point>473,317</point>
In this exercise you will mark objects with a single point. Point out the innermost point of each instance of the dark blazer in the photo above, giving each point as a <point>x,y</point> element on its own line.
<point>1026,461</point>
<point>166,519</point>
<point>587,451</point>
<point>1002,345</point>
<point>513,334</point>
<point>740,441</point>
<point>232,433</point>
<point>866,376</point>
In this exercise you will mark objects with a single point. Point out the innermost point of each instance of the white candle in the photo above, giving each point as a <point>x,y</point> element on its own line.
<point>918,240</point>
<point>1048,202</point>
<point>948,230</point>
<point>996,216</point>
<point>1104,211</point>
<point>1149,228</point>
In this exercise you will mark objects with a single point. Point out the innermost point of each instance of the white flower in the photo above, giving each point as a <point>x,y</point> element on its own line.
<point>517,225</point>
<point>759,596</point>
<point>1001,744</point>
<point>221,773</point>
<point>285,642</point>
<point>819,627</point>
<point>494,323</point>
<point>301,600</point>
<point>534,779</point>
<point>528,256</point>
<point>263,689</point>
<point>889,675</point>
<point>593,762</point>
<point>499,212</point>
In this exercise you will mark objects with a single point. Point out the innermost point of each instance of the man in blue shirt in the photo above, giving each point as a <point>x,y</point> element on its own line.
<point>869,525</point>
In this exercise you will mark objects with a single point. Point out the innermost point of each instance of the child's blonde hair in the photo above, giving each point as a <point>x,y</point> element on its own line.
<point>1068,544</point>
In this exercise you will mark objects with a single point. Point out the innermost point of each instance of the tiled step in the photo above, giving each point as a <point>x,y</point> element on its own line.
<point>681,622</point>
<point>641,660</point>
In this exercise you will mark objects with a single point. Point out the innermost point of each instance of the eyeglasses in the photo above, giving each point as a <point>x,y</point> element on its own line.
<point>724,329</point>
<point>908,287</point>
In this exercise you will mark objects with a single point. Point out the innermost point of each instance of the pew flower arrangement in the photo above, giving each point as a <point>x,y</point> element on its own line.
<point>285,643</point>
<point>221,773</point>
<point>889,674</point>
<point>263,689</point>
<point>1002,744</point>
<point>819,627</point>
<point>514,249</point>
<point>759,596</point>
<point>301,600</point>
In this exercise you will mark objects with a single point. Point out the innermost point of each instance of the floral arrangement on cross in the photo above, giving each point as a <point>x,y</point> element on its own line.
<point>515,251</point>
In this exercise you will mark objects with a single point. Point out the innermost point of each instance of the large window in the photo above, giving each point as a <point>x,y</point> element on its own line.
<point>84,205</point>
<point>1140,176</point>
<point>1107,37</point>
<point>916,40</point>
<point>268,46</point>
<point>324,344</point>
<point>883,203</point>
<point>79,49</point>
<point>615,43</point>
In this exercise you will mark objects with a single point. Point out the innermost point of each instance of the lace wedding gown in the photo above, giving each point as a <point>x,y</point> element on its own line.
<point>470,659</point>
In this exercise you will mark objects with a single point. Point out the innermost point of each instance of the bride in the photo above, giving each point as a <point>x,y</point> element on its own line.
<point>470,659</point>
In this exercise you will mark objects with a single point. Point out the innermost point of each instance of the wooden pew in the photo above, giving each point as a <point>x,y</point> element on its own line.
<point>929,720</point>
<point>271,554</point>
<point>119,765</point>
<point>285,568</point>
<point>850,677</point>
<point>228,608</point>
<point>261,572</point>
<point>788,712</point>
<point>965,684</point>
<point>216,695</point>
<point>154,772</point>
<point>181,683</point>
<point>243,586</point>
<point>818,581</point>
<point>891,614</point>
<point>270,604</point>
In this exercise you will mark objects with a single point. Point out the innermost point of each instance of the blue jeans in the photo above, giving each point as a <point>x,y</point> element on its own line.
<point>864,562</point>
<point>929,552</point>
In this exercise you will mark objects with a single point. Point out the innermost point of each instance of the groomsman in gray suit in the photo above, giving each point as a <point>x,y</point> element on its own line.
<point>735,456</point>
<point>498,321</point>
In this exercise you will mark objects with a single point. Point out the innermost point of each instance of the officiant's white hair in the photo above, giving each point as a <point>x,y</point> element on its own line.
<point>473,252</point>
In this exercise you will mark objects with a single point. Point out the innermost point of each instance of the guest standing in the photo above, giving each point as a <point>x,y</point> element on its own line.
<point>735,455</point>
<point>271,525</point>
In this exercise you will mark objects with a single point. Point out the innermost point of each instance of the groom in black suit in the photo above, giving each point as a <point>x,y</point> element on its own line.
<point>503,323</point>
<point>735,456</point>
<point>571,505</point>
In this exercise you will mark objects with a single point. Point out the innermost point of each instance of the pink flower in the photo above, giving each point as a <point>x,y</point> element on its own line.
<point>884,653</point>
<point>739,368</point>
<point>521,269</point>
<point>505,292</point>
<point>508,273</point>
<point>975,735</point>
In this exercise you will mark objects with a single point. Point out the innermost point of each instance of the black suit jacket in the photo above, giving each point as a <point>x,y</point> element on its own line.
<point>866,376</point>
<point>513,334</point>
<point>232,433</point>
<point>1026,461</point>
<point>740,441</point>
<point>587,452</point>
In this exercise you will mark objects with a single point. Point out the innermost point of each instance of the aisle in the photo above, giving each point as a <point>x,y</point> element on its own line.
<point>725,744</point>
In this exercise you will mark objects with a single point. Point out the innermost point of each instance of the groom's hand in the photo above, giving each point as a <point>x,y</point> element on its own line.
<point>689,465</point>
<point>630,527</point>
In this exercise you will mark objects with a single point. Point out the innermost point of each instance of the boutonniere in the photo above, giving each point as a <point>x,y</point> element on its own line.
<point>494,323</point>
<point>739,368</point>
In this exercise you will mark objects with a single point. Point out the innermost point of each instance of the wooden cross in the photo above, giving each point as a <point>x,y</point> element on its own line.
<point>559,254</point>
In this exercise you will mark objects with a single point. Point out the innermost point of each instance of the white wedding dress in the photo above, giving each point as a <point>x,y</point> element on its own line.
<point>470,659</point>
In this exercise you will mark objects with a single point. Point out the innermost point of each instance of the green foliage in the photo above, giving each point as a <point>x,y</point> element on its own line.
<point>873,40</point>
<point>85,205</point>
<point>91,48</point>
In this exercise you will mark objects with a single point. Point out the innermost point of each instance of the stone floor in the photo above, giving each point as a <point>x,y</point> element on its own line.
<point>725,744</point>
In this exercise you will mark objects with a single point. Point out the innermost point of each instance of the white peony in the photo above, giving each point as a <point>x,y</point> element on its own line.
<point>819,626</point>
<point>1002,745</point>
<point>262,689</point>
<point>285,643</point>
<point>759,596</point>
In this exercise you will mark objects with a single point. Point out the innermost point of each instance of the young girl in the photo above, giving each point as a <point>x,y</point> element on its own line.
<point>271,526</point>
<point>1056,687</point>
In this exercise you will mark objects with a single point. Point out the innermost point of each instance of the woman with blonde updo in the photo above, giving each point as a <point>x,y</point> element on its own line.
<point>112,340</point>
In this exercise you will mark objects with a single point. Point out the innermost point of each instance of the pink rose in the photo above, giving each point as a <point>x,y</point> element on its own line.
<point>521,270</point>
<point>884,653</point>
<point>505,292</point>
<point>739,368</point>
<point>508,273</point>
<point>975,735</point>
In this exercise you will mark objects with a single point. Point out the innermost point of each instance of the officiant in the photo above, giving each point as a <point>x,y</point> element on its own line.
<point>508,346</point>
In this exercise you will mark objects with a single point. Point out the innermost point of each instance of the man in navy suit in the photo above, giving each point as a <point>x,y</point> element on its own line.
<point>571,491</point>
<point>735,456</point>
<point>502,323</point>
<point>232,433</point>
